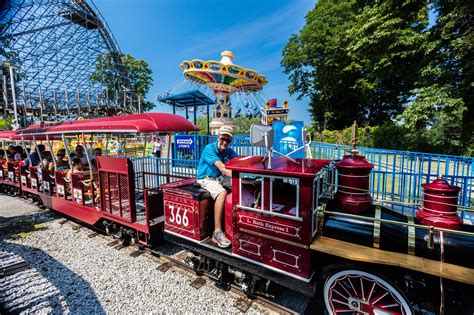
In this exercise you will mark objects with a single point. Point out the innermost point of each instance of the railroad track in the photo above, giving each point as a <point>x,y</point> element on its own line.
<point>166,262</point>
<point>163,262</point>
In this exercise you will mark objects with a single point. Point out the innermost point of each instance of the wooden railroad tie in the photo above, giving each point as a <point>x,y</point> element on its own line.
<point>198,282</point>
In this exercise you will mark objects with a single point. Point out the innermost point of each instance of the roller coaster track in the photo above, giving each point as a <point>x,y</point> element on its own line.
<point>53,46</point>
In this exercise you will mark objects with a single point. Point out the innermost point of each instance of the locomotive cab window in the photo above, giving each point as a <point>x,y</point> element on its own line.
<point>251,188</point>
<point>274,195</point>
<point>284,196</point>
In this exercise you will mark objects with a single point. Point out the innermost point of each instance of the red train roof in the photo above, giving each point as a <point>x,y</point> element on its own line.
<point>136,123</point>
<point>7,134</point>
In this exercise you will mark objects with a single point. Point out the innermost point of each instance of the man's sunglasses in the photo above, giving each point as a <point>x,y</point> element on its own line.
<point>228,140</point>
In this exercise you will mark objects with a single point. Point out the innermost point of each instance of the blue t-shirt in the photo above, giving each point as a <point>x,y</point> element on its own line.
<point>209,156</point>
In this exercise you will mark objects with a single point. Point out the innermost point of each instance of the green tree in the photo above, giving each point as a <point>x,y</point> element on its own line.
<point>315,60</point>
<point>387,49</point>
<point>442,107</point>
<point>137,71</point>
<point>243,124</point>
<point>356,59</point>
<point>201,122</point>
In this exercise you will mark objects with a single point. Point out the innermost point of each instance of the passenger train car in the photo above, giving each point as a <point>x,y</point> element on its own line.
<point>309,225</point>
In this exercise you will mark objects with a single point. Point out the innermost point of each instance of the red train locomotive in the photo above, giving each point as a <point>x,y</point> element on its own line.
<point>307,224</point>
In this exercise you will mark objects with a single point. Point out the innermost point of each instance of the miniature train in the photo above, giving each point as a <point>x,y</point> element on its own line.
<point>306,224</point>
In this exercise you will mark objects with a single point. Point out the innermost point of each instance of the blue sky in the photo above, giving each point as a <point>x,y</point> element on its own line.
<point>166,32</point>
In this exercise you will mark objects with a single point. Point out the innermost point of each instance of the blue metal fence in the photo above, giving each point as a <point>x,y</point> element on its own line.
<point>396,177</point>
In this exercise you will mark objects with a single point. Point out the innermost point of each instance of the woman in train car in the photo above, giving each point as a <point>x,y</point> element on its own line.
<point>80,154</point>
<point>61,162</point>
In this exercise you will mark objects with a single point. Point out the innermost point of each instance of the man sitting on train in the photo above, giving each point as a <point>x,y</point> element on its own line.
<point>211,174</point>
<point>34,157</point>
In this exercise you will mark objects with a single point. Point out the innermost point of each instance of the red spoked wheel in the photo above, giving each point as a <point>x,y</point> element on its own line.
<point>360,292</point>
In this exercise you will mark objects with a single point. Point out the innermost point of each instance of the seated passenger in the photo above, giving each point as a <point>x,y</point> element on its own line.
<point>10,157</point>
<point>11,150</point>
<point>76,168</point>
<point>34,157</point>
<point>44,164</point>
<point>19,154</point>
<point>61,163</point>
<point>209,176</point>
<point>80,154</point>
<point>97,152</point>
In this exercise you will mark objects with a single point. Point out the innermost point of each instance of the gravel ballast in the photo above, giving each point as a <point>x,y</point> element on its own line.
<point>60,269</point>
<point>49,266</point>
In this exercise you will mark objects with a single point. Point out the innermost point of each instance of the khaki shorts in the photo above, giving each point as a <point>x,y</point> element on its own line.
<point>211,185</point>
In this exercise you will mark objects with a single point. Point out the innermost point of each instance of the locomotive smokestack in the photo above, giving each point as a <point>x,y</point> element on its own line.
<point>440,205</point>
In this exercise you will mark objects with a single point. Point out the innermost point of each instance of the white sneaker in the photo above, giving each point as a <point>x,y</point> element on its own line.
<point>220,240</point>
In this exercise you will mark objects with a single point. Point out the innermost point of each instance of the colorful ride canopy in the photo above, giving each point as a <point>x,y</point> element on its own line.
<point>223,77</point>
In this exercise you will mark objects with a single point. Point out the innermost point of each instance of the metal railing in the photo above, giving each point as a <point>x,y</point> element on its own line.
<point>151,172</point>
<point>396,177</point>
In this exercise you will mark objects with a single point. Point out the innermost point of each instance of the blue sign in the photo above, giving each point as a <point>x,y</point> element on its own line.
<point>184,142</point>
<point>289,137</point>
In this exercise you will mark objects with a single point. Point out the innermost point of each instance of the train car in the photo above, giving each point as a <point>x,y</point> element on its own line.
<point>309,225</point>
<point>10,169</point>
<point>105,196</point>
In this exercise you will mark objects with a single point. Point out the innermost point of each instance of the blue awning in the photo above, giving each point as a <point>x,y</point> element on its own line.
<point>187,99</point>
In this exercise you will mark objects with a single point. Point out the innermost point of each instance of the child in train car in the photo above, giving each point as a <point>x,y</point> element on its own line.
<point>97,152</point>
<point>11,150</point>
<point>76,168</point>
<point>19,153</point>
<point>211,171</point>
<point>47,155</point>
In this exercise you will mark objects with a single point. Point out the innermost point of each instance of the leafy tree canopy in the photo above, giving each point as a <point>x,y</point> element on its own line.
<point>375,61</point>
<point>355,59</point>
<point>138,71</point>
<point>242,124</point>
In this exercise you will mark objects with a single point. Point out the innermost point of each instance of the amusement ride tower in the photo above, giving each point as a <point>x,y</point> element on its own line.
<point>224,78</point>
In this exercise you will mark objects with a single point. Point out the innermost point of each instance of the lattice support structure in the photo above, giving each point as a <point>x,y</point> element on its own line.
<point>53,46</point>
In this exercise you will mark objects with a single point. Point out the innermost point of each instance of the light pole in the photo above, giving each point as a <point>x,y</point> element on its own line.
<point>8,65</point>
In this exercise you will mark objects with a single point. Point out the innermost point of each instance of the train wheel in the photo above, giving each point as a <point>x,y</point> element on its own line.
<point>359,292</point>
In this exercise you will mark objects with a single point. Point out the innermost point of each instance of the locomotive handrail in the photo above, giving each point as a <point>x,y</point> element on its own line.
<point>426,227</point>
<point>459,208</point>
<point>364,191</point>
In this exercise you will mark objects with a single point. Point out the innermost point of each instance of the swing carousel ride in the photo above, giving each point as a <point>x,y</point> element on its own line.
<point>226,79</point>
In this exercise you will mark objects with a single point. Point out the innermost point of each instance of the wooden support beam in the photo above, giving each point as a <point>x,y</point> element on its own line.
<point>376,256</point>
